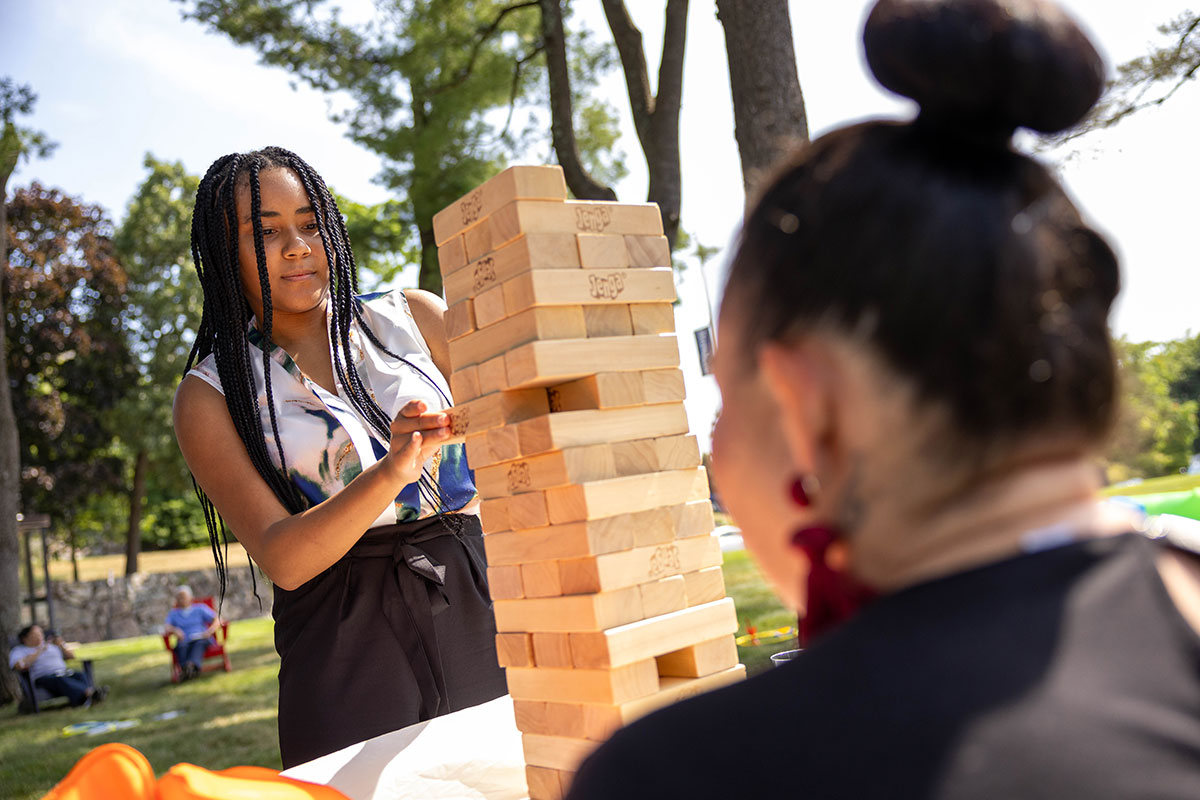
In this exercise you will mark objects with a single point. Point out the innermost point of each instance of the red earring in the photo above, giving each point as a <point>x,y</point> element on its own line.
<point>803,488</point>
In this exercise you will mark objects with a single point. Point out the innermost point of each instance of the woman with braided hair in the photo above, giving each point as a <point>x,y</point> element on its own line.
<point>310,418</point>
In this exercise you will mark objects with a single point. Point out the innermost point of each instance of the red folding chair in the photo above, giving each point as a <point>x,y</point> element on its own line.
<point>213,651</point>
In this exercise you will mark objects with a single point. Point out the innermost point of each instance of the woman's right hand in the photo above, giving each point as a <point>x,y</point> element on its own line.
<point>416,435</point>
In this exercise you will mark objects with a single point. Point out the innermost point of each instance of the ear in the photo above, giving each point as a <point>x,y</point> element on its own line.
<point>799,379</point>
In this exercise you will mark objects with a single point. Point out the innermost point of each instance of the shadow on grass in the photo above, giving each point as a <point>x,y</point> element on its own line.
<point>228,719</point>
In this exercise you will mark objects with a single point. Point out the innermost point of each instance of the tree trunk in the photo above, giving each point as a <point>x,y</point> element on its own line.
<point>562,114</point>
<point>10,472</point>
<point>74,556</point>
<point>133,538</point>
<point>655,117</point>
<point>768,106</point>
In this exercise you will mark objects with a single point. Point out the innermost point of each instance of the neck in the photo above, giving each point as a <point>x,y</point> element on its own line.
<point>296,332</point>
<point>903,542</point>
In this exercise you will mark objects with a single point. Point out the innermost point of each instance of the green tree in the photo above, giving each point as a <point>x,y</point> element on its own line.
<point>1155,431</point>
<point>16,143</point>
<point>423,76</point>
<point>164,303</point>
<point>383,245</point>
<point>68,360</point>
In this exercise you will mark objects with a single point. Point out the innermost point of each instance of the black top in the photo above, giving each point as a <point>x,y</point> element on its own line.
<point>1063,674</point>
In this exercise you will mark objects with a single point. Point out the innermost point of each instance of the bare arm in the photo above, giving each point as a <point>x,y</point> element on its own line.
<point>428,310</point>
<point>292,548</point>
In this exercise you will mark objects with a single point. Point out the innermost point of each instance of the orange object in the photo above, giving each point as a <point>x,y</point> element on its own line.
<point>189,782</point>
<point>212,651</point>
<point>118,772</point>
<point>112,770</point>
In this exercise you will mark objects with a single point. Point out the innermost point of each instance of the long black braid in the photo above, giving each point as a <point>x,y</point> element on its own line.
<point>226,318</point>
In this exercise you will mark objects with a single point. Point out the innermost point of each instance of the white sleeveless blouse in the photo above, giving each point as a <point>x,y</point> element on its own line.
<point>326,443</point>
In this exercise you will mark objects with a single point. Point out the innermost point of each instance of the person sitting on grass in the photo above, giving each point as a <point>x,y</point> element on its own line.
<point>46,659</point>
<point>193,625</point>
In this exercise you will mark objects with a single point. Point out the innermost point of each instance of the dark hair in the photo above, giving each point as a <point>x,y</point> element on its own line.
<point>226,317</point>
<point>21,634</point>
<point>961,261</point>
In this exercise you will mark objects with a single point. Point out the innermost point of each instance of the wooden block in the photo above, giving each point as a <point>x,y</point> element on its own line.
<point>602,251</point>
<point>459,319</point>
<point>654,636</point>
<point>562,287</point>
<point>452,255</point>
<point>656,455</point>
<point>693,519</point>
<point>573,216</point>
<point>703,658</point>
<point>663,385</point>
<point>630,493</point>
<point>607,321</point>
<point>598,722</point>
<point>554,650</point>
<point>530,326</point>
<point>514,649</point>
<point>648,251</point>
<point>704,586</point>
<point>541,579</point>
<point>494,410</point>
<point>611,686</point>
<point>492,375</point>
<point>576,428</point>
<point>504,583</point>
<point>477,240</point>
<point>527,510</point>
<point>543,363</point>
<point>610,571</point>
<point>502,444</point>
<point>464,384</point>
<point>493,514</point>
<point>543,783</point>
<point>565,541</point>
<point>556,468</point>
<point>556,752</point>
<point>533,251</point>
<point>580,612</point>
<point>650,318</point>
<point>513,183</point>
<point>550,719</point>
<point>489,307</point>
<point>603,390</point>
<point>673,690</point>
<point>663,596</point>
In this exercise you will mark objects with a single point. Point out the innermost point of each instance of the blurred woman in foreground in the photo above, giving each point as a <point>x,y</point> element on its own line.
<point>917,378</point>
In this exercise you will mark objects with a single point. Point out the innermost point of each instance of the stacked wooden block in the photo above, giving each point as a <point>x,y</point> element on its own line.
<point>605,577</point>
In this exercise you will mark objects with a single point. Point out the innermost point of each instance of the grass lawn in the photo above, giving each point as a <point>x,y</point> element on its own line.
<point>97,568</point>
<point>229,718</point>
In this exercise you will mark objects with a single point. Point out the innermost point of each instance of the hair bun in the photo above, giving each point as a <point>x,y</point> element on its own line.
<point>986,66</point>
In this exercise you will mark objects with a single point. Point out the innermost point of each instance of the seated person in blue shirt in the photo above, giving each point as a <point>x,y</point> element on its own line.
<point>193,625</point>
<point>46,660</point>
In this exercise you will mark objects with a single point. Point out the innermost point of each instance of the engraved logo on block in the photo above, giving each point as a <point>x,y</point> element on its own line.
<point>592,219</point>
<point>518,477</point>
<point>485,273</point>
<point>471,205</point>
<point>460,420</point>
<point>665,559</point>
<point>607,287</point>
<point>554,396</point>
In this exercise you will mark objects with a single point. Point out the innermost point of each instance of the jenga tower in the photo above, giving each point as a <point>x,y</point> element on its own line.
<point>607,583</point>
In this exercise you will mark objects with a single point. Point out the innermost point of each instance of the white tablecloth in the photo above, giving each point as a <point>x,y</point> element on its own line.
<point>474,753</point>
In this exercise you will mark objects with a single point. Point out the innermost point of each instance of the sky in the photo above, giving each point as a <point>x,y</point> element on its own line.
<point>120,78</point>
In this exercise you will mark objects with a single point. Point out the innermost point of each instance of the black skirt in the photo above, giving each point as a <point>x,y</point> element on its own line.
<point>399,630</point>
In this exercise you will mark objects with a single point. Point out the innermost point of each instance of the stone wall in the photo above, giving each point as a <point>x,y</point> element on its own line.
<point>95,610</point>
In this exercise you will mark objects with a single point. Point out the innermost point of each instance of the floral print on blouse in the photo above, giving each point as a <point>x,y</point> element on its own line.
<point>325,442</point>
